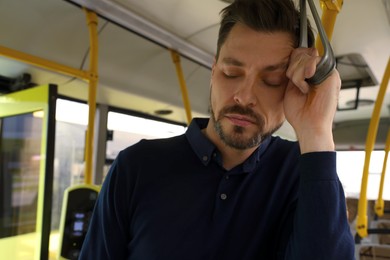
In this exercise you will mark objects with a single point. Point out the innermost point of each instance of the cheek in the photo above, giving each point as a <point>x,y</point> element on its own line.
<point>272,102</point>
<point>272,98</point>
<point>279,108</point>
<point>215,100</point>
<point>220,94</point>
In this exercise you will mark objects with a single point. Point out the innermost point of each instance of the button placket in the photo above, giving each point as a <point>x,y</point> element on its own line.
<point>223,195</point>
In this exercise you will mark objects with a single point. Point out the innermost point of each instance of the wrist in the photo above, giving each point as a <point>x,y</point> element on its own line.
<point>316,142</point>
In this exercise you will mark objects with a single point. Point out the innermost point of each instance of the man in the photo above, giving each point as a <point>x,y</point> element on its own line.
<point>227,189</point>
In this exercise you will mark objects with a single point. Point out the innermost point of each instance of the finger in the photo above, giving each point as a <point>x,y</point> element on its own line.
<point>303,57</point>
<point>295,59</point>
<point>298,79</point>
<point>302,66</point>
<point>312,60</point>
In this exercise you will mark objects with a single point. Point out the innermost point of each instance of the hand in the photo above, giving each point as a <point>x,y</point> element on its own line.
<point>310,109</point>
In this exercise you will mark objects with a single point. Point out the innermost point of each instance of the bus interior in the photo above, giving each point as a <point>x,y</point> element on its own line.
<point>80,80</point>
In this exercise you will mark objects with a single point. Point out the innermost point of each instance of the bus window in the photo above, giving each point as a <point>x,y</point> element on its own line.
<point>350,170</point>
<point>20,145</point>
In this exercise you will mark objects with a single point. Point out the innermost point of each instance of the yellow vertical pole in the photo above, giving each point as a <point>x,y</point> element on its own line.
<point>92,22</point>
<point>183,87</point>
<point>361,223</point>
<point>380,204</point>
<point>330,10</point>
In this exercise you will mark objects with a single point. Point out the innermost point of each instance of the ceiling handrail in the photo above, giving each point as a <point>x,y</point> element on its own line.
<point>328,61</point>
<point>43,63</point>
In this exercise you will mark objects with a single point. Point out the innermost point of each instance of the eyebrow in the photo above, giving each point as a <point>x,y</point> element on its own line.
<point>234,62</point>
<point>283,65</point>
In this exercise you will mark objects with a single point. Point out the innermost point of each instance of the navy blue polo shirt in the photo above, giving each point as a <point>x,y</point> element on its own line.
<point>172,199</point>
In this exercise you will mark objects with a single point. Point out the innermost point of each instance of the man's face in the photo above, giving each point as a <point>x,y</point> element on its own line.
<point>248,84</point>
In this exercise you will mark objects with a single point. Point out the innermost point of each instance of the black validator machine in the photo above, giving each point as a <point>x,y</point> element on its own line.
<point>77,208</point>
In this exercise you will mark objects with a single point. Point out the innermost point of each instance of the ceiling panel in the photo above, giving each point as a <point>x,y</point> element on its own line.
<point>132,64</point>
<point>32,27</point>
<point>181,17</point>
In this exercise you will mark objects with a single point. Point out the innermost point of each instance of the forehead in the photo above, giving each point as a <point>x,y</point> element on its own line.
<point>247,45</point>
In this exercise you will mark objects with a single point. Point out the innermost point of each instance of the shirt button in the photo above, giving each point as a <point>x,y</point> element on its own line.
<point>227,177</point>
<point>223,196</point>
<point>205,158</point>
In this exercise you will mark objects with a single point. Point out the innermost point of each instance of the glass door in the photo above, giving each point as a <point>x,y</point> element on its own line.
<point>27,130</point>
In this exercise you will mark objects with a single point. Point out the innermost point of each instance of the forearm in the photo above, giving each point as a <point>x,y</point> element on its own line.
<point>320,229</point>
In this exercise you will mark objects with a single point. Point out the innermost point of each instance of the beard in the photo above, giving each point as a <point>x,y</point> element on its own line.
<point>236,138</point>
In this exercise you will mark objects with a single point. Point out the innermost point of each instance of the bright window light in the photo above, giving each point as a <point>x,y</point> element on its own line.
<point>142,126</point>
<point>72,112</point>
<point>77,113</point>
<point>350,170</point>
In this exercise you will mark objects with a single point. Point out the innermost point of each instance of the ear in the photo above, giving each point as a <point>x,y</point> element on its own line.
<point>213,66</point>
<point>212,70</point>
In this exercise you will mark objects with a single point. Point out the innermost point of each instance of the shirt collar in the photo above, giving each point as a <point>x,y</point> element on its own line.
<point>253,160</point>
<point>204,148</point>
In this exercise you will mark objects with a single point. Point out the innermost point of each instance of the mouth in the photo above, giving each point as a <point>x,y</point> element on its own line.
<point>240,120</point>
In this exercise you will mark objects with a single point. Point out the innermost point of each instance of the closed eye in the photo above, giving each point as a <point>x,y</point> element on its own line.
<point>273,84</point>
<point>231,73</point>
<point>275,81</point>
<point>230,76</point>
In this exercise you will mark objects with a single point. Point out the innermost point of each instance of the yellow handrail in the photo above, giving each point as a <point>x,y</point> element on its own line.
<point>361,224</point>
<point>92,22</point>
<point>183,87</point>
<point>43,63</point>
<point>330,10</point>
<point>380,204</point>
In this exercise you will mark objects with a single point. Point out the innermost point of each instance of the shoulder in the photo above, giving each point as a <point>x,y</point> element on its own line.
<point>143,158</point>
<point>154,149</point>
<point>151,145</point>
<point>283,146</point>
<point>280,156</point>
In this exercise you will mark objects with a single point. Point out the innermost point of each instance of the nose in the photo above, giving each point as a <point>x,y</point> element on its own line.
<point>245,93</point>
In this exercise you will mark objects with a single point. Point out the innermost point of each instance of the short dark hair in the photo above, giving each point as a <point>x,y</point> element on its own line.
<point>262,15</point>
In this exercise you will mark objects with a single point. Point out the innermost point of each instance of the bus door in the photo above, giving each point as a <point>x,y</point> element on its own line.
<point>27,131</point>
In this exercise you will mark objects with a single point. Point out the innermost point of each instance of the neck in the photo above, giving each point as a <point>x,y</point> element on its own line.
<point>231,157</point>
